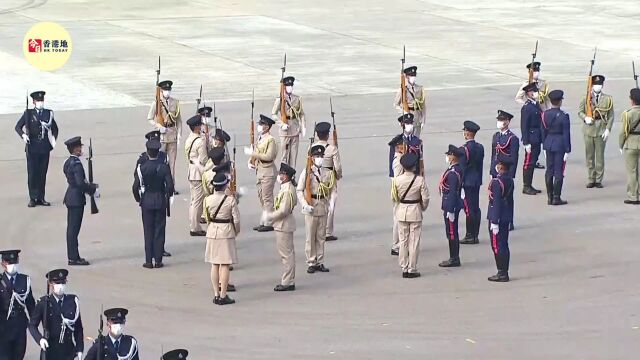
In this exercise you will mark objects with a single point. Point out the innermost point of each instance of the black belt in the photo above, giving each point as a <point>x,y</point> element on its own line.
<point>634,133</point>
<point>266,162</point>
<point>169,125</point>
<point>411,108</point>
<point>220,221</point>
<point>410,201</point>
<point>329,167</point>
<point>318,196</point>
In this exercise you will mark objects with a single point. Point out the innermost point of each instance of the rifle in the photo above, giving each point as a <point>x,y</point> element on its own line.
<point>403,85</point>
<point>283,107</point>
<point>588,106</point>
<point>100,336</point>
<point>307,180</point>
<point>234,182</point>
<point>45,329</point>
<point>206,125</point>
<point>635,76</point>
<point>252,135</point>
<point>533,59</point>
<point>27,118</point>
<point>159,116</point>
<point>333,119</point>
<point>94,206</point>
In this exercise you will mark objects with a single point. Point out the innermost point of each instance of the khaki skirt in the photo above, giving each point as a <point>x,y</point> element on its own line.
<point>221,251</point>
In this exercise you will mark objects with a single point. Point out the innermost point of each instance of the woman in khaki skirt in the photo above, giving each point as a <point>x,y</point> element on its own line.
<point>223,219</point>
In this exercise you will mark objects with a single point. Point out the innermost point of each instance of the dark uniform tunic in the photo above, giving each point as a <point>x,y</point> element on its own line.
<point>13,315</point>
<point>505,147</point>
<point>75,200</point>
<point>124,348</point>
<point>500,213</point>
<point>471,164</point>
<point>450,188</point>
<point>64,341</point>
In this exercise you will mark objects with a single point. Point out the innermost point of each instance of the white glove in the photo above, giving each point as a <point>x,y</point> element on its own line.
<point>495,229</point>
<point>621,152</point>
<point>96,194</point>
<point>79,356</point>
<point>462,194</point>
<point>307,209</point>
<point>304,131</point>
<point>44,344</point>
<point>451,216</point>
<point>250,165</point>
<point>248,150</point>
<point>171,200</point>
<point>25,138</point>
<point>605,134</point>
<point>527,148</point>
<point>284,127</point>
<point>588,120</point>
<point>162,129</point>
<point>545,153</point>
<point>566,155</point>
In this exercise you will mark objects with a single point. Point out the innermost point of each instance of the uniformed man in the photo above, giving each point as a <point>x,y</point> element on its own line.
<point>630,146</point>
<point>530,125</point>
<point>208,127</point>
<point>396,169</point>
<point>557,144</point>
<point>75,197</point>
<point>499,217</point>
<point>410,196</point>
<point>284,224</point>
<point>196,153</point>
<point>596,130</point>
<point>333,164</point>
<point>264,154</point>
<point>152,188</point>
<point>472,164</point>
<point>39,131</point>
<point>16,307</point>
<point>543,91</point>
<point>116,345</point>
<point>451,191</point>
<point>505,146</point>
<point>178,354</point>
<point>216,159</point>
<point>415,98</point>
<point>315,213</point>
<point>171,128</point>
<point>296,123</point>
<point>59,314</point>
<point>411,142</point>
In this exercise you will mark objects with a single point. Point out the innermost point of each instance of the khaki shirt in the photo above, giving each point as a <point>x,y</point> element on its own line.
<point>630,118</point>
<point>282,215</point>
<point>543,94</point>
<point>416,96</point>
<point>228,210</point>
<point>331,158</point>
<point>266,152</point>
<point>295,113</point>
<point>196,153</point>
<point>418,191</point>
<point>321,184</point>
<point>396,166</point>
<point>602,114</point>
<point>173,116</point>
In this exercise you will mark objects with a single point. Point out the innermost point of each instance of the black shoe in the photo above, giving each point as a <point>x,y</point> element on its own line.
<point>632,202</point>
<point>158,265</point>
<point>43,202</point>
<point>536,190</point>
<point>591,185</point>
<point>409,275</point>
<point>528,190</point>
<point>216,300</point>
<point>202,221</point>
<point>31,203</point>
<point>230,267</point>
<point>198,233</point>
<point>321,268</point>
<point>539,166</point>
<point>284,287</point>
<point>147,265</point>
<point>230,288</point>
<point>265,228</point>
<point>311,269</point>
<point>511,227</point>
<point>176,192</point>
<point>331,238</point>
<point>450,263</point>
<point>471,241</point>
<point>499,277</point>
<point>78,262</point>
<point>166,253</point>
<point>257,227</point>
<point>558,201</point>
<point>598,185</point>
<point>395,252</point>
<point>226,301</point>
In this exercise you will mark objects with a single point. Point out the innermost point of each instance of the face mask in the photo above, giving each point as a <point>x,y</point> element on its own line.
<point>259,128</point>
<point>597,88</point>
<point>318,161</point>
<point>408,128</point>
<point>116,329</point>
<point>58,289</point>
<point>500,125</point>
<point>536,75</point>
<point>280,180</point>
<point>446,159</point>
<point>288,89</point>
<point>12,269</point>
<point>535,95</point>
<point>166,93</point>
<point>39,105</point>
<point>411,80</point>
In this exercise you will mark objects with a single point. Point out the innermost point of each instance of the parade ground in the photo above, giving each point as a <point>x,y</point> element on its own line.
<point>574,290</point>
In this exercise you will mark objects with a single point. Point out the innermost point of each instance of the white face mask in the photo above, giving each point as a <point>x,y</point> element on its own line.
<point>536,75</point>
<point>288,89</point>
<point>500,125</point>
<point>597,88</point>
<point>39,105</point>
<point>259,129</point>
<point>116,329</point>
<point>411,80</point>
<point>446,159</point>
<point>12,269</point>
<point>58,289</point>
<point>279,180</point>
<point>408,128</point>
<point>166,93</point>
<point>318,161</point>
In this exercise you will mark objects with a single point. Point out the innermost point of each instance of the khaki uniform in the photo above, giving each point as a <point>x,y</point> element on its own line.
<point>416,99</point>
<point>266,172</point>
<point>334,165</point>
<point>290,138</point>
<point>397,170</point>
<point>173,124</point>
<point>196,153</point>
<point>543,94</point>
<point>408,215</point>
<point>593,143</point>
<point>630,143</point>
<point>222,228</point>
<point>316,222</point>
<point>285,224</point>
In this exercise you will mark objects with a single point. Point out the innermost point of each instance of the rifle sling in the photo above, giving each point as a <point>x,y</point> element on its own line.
<point>408,188</point>
<point>190,147</point>
<point>215,214</point>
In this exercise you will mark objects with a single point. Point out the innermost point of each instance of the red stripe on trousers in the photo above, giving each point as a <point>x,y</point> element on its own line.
<point>494,238</point>
<point>466,206</point>
<point>451,238</point>
<point>527,160</point>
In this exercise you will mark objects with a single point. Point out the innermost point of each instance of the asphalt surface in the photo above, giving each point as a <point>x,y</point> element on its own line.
<point>574,289</point>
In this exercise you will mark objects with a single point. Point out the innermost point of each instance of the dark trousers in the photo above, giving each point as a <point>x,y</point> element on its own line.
<point>555,165</point>
<point>74,222</point>
<point>14,349</point>
<point>37,166</point>
<point>500,246</point>
<point>154,223</point>
<point>451,230</point>
<point>529,165</point>
<point>472,209</point>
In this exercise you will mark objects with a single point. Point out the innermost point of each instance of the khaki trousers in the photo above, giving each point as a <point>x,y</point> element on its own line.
<point>265,195</point>
<point>284,243</point>
<point>594,153</point>
<point>171,148</point>
<point>332,209</point>
<point>396,237</point>
<point>410,234</point>
<point>314,245</point>
<point>631,158</point>
<point>289,146</point>
<point>195,207</point>
<point>418,123</point>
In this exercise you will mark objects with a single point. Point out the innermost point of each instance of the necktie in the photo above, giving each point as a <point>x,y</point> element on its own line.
<point>13,281</point>
<point>597,98</point>
<point>117,345</point>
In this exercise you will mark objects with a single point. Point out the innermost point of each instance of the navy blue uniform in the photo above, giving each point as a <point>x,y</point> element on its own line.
<point>158,187</point>
<point>125,347</point>
<point>162,156</point>
<point>450,188</point>
<point>75,200</point>
<point>557,143</point>
<point>16,301</point>
<point>39,124</point>
<point>63,346</point>
<point>500,213</point>
<point>531,126</point>
<point>472,164</point>
<point>505,147</point>
<point>414,145</point>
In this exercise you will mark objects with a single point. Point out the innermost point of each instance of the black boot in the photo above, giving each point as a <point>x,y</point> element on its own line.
<point>557,191</point>
<point>527,177</point>
<point>549,182</point>
<point>469,235</point>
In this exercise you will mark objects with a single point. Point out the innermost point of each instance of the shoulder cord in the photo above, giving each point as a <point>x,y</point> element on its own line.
<point>443,185</point>
<point>604,110</point>
<point>68,323</point>
<point>20,298</point>
<point>280,197</point>
<point>133,350</point>
<point>501,186</point>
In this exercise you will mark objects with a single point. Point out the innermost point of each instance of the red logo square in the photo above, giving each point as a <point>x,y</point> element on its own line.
<point>35,45</point>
